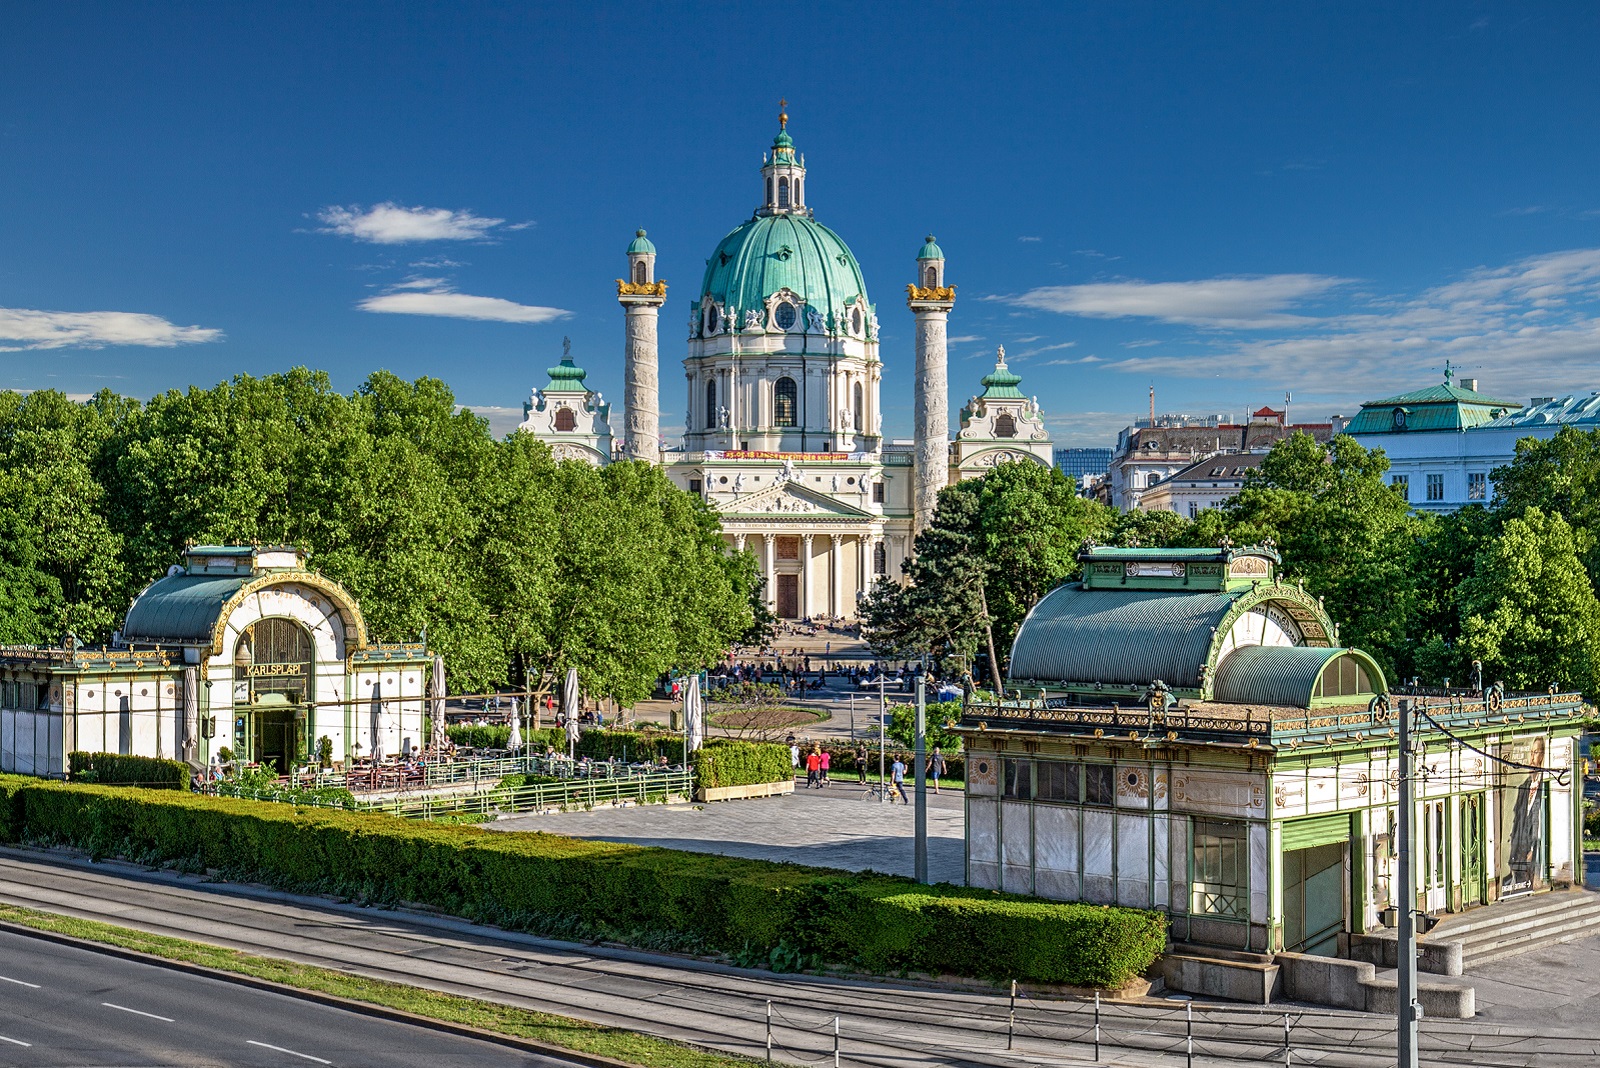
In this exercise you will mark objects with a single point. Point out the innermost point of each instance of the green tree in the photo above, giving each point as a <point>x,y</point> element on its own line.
<point>1559,476</point>
<point>1529,611</point>
<point>1152,530</point>
<point>1342,531</point>
<point>941,716</point>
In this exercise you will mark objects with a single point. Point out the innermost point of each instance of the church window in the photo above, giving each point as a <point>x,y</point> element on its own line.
<point>798,199</point>
<point>880,559</point>
<point>565,419</point>
<point>1005,426</point>
<point>711,319</point>
<point>638,273</point>
<point>769,191</point>
<point>930,277</point>
<point>784,316</point>
<point>694,485</point>
<point>785,397</point>
<point>878,493</point>
<point>783,192</point>
<point>856,397</point>
<point>711,404</point>
<point>855,319</point>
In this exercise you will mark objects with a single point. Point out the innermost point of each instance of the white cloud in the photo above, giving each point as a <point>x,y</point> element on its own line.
<point>1068,363</point>
<point>1529,327</point>
<point>964,339</point>
<point>422,283</point>
<point>1242,302</point>
<point>392,224</point>
<point>1043,349</point>
<point>1030,239</point>
<point>25,328</point>
<point>440,300</point>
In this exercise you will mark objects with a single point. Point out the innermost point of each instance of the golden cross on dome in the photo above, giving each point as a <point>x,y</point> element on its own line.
<point>783,116</point>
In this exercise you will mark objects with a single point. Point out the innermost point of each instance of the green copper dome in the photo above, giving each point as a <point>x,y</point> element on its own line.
<point>1002,382</point>
<point>567,375</point>
<point>930,251</point>
<point>641,244</point>
<point>771,252</point>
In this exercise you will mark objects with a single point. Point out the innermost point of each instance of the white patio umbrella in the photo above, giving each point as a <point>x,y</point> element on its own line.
<point>569,708</point>
<point>375,718</point>
<point>191,716</point>
<point>693,716</point>
<point>439,739</point>
<point>514,742</point>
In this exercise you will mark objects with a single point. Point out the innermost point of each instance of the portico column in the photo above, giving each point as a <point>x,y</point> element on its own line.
<point>738,543</point>
<point>862,585</point>
<point>769,571</point>
<point>835,576</point>
<point>805,576</point>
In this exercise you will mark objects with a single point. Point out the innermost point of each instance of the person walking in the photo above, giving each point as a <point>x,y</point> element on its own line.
<point>936,767</point>
<point>897,775</point>
<point>794,754</point>
<point>827,758</point>
<point>813,767</point>
<point>861,764</point>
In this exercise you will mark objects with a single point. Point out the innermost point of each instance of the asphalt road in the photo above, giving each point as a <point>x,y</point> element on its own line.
<point>64,1006</point>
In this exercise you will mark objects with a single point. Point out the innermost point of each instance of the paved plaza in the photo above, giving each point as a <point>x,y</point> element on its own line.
<point>832,827</point>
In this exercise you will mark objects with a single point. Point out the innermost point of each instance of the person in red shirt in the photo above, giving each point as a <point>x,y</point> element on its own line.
<point>813,768</point>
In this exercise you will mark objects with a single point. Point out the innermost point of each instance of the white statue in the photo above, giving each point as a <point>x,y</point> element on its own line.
<point>738,482</point>
<point>788,474</point>
<point>752,319</point>
<point>814,320</point>
<point>834,484</point>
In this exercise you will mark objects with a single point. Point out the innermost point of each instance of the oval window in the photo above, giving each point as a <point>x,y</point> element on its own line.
<point>784,316</point>
<point>712,319</point>
<point>855,320</point>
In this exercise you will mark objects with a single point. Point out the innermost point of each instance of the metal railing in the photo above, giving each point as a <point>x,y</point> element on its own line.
<point>1140,723</point>
<point>567,793</point>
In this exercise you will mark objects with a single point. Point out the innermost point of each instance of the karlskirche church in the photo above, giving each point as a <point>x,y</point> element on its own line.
<point>783,428</point>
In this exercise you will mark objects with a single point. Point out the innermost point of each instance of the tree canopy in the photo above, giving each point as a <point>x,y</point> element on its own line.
<point>504,556</point>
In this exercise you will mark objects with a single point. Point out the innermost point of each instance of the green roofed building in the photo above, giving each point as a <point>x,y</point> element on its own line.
<point>1183,731</point>
<point>240,647</point>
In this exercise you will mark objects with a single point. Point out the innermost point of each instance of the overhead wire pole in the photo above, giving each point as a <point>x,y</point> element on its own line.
<point>920,841</point>
<point>883,793</point>
<point>1406,1008</point>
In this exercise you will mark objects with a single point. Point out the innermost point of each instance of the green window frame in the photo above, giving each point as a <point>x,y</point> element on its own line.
<point>1219,868</point>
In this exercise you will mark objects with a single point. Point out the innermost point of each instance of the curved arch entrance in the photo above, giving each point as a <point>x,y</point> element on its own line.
<point>274,660</point>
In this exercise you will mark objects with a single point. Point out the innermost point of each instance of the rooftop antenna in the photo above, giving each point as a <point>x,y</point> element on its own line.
<point>1287,397</point>
<point>1152,406</point>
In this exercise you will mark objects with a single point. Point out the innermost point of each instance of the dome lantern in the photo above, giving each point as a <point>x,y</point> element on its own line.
<point>783,173</point>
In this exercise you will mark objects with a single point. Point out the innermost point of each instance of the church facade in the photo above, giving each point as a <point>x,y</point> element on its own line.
<point>783,416</point>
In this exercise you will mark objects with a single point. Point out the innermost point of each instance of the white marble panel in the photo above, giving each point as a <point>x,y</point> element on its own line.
<point>1288,794</point>
<point>91,733</point>
<point>983,777</point>
<point>1016,834</point>
<point>1097,832</point>
<point>1221,793</point>
<point>8,741</point>
<point>983,840</point>
<point>984,876</point>
<point>1162,850</point>
<point>1133,846</point>
<point>1016,879</point>
<point>1099,889</point>
<point>1055,885</point>
<point>1055,838</point>
<point>1322,790</point>
<point>1260,865</point>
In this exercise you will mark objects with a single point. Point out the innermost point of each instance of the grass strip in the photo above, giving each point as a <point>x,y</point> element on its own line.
<point>565,1032</point>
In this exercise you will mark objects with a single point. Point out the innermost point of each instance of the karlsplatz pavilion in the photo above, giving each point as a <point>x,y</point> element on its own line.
<point>1185,733</point>
<point>239,647</point>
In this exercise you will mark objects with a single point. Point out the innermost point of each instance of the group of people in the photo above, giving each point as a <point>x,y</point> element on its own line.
<point>818,761</point>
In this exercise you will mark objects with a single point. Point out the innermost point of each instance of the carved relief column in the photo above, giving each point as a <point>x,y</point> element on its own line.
<point>805,576</point>
<point>835,576</point>
<point>769,571</point>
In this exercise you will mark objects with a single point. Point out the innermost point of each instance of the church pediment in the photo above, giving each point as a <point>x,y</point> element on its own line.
<point>790,498</point>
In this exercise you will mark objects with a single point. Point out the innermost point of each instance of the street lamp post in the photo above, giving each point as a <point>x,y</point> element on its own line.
<point>883,793</point>
<point>920,847</point>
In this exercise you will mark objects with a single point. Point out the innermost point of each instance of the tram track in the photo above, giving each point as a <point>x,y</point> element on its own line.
<point>885,1024</point>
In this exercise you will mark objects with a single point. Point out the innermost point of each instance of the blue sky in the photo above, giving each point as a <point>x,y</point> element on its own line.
<point>1224,200</point>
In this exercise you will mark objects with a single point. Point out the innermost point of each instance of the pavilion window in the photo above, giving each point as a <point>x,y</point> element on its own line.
<point>1018,779</point>
<point>1057,780</point>
<point>1218,878</point>
<point>1099,786</point>
<point>1345,676</point>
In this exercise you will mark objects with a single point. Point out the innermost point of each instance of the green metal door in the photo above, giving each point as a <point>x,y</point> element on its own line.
<point>1313,899</point>
<point>275,738</point>
<point>1472,849</point>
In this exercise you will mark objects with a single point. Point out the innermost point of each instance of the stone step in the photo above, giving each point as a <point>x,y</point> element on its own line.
<point>1461,926</point>
<point>1489,955</point>
<point>1515,927</point>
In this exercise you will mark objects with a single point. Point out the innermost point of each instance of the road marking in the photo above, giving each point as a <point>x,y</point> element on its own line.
<point>15,1041</point>
<point>19,982</point>
<point>291,1052</point>
<point>138,1012</point>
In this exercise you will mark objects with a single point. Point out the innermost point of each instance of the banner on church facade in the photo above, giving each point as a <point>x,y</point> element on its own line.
<point>808,457</point>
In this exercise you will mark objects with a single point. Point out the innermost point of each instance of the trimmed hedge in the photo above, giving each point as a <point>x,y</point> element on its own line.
<point>562,886</point>
<point>723,762</point>
<point>113,769</point>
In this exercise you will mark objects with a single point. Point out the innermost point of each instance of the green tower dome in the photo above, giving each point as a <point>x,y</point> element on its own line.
<point>930,251</point>
<point>772,252</point>
<point>641,244</point>
<point>566,375</point>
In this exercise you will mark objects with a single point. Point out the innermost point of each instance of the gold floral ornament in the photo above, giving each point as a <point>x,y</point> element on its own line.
<point>915,292</point>
<point>641,289</point>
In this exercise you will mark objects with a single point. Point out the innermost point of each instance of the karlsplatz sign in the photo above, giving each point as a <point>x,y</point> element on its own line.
<point>754,454</point>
